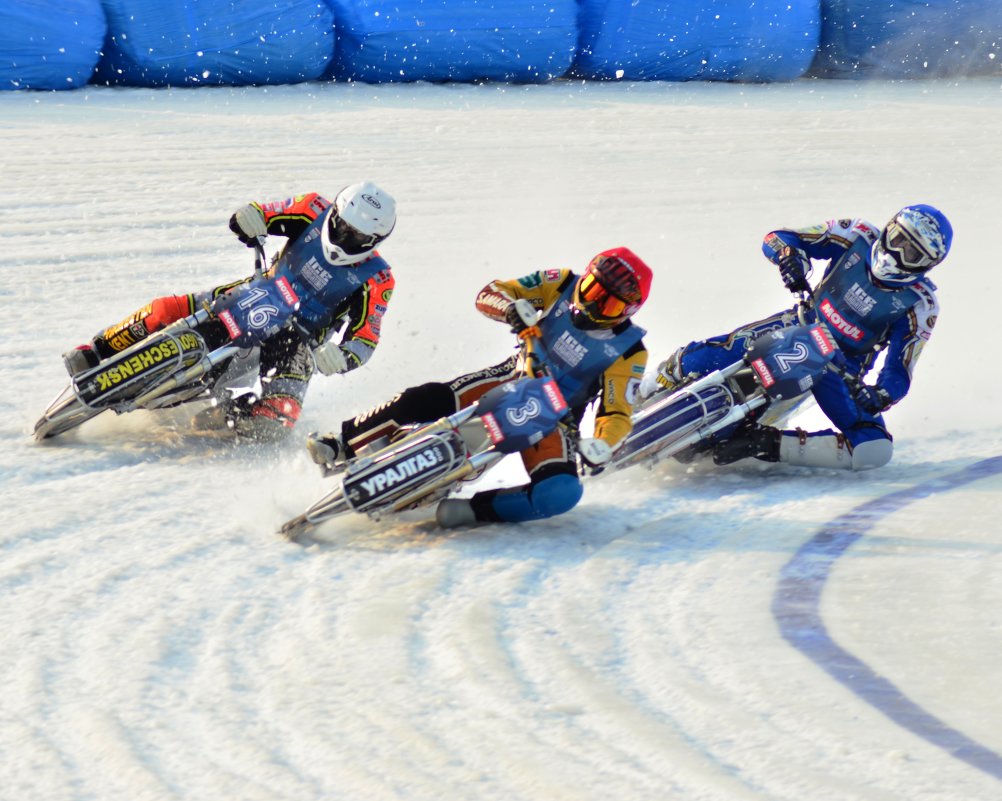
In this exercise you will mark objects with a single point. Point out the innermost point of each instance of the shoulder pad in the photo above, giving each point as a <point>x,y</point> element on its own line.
<point>865,229</point>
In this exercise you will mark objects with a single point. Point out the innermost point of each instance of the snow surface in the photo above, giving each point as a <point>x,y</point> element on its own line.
<point>658,642</point>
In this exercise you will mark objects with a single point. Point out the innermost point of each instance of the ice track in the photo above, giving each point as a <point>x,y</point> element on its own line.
<point>685,634</point>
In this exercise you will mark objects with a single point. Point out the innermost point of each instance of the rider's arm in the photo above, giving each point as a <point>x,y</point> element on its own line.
<point>905,342</point>
<point>824,241</point>
<point>541,289</point>
<point>290,217</point>
<point>620,385</point>
<point>365,318</point>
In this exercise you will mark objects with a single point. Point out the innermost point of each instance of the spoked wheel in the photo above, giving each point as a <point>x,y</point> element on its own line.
<point>64,414</point>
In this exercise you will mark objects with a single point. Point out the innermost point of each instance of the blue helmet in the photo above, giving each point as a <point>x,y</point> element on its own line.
<point>915,240</point>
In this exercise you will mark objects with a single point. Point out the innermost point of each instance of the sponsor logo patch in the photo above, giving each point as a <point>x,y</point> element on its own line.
<point>315,275</point>
<point>569,350</point>
<point>839,323</point>
<point>764,376</point>
<point>493,429</point>
<point>632,391</point>
<point>286,291</point>
<point>823,340</point>
<point>857,300</point>
<point>554,396</point>
<point>232,329</point>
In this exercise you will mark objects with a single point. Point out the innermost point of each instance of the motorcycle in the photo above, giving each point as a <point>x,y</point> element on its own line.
<point>180,363</point>
<point>424,463</point>
<point>766,385</point>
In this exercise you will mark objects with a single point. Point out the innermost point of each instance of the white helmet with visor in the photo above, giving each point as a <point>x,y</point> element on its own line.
<point>361,217</point>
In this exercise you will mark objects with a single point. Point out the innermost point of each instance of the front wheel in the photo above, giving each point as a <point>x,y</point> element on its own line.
<point>331,505</point>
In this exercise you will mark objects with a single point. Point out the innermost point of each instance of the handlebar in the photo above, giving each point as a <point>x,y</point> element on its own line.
<point>537,357</point>
<point>806,310</point>
<point>259,257</point>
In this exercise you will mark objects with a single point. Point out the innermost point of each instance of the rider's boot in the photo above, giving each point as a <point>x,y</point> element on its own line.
<point>453,512</point>
<point>762,442</point>
<point>327,450</point>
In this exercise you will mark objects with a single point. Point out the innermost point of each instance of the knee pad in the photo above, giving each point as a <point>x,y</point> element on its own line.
<point>556,495</point>
<point>270,419</point>
<point>547,498</point>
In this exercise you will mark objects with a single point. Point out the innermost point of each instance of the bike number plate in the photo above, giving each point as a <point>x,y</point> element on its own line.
<point>520,413</point>
<point>257,310</point>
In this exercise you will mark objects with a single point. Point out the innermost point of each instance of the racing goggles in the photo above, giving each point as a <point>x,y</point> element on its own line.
<point>907,252</point>
<point>599,300</point>
<point>348,237</point>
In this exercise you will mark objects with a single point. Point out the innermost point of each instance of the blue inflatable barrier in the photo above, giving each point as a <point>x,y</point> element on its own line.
<point>709,40</point>
<point>216,42</point>
<point>49,44</point>
<point>909,39</point>
<point>454,40</point>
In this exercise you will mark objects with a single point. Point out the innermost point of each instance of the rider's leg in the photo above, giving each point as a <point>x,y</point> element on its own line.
<point>286,366</point>
<point>861,441</point>
<point>553,488</point>
<point>421,404</point>
<point>134,328</point>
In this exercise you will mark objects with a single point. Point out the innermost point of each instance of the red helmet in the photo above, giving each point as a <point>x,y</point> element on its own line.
<point>615,285</point>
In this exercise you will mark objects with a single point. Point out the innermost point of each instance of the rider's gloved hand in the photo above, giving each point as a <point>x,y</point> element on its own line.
<point>873,399</point>
<point>248,224</point>
<point>595,454</point>
<point>331,359</point>
<point>521,315</point>
<point>793,269</point>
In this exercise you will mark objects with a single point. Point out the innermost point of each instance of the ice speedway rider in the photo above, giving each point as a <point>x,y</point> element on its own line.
<point>874,297</point>
<point>584,322</point>
<point>347,287</point>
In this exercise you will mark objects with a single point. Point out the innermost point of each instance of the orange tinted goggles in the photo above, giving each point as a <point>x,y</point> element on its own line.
<point>600,298</point>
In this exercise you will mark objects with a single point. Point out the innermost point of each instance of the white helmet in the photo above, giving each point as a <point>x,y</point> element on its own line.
<point>361,217</point>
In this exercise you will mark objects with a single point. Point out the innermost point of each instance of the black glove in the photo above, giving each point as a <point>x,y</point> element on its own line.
<point>793,268</point>
<point>520,315</point>
<point>873,399</point>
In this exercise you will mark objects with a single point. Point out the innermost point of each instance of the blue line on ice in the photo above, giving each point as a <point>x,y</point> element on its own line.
<point>796,607</point>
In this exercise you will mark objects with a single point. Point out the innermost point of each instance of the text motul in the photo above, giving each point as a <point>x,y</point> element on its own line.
<point>838,322</point>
